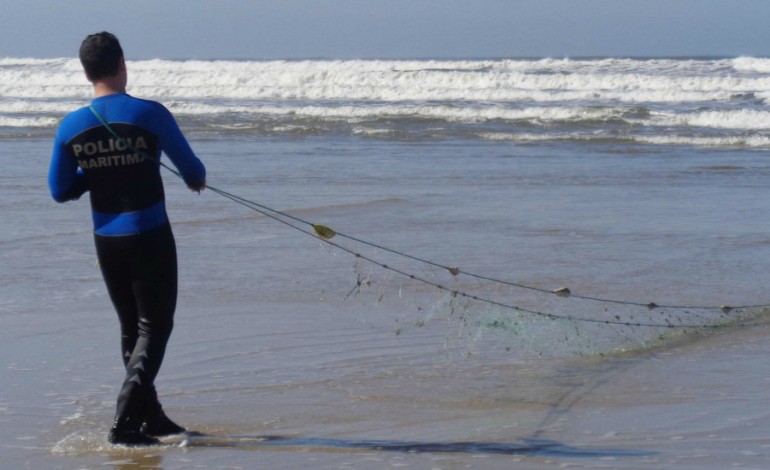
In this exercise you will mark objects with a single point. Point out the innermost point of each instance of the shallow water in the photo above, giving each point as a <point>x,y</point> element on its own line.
<point>274,338</point>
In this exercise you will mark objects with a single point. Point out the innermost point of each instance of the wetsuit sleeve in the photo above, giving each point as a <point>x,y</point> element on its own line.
<point>178,150</point>
<point>65,179</point>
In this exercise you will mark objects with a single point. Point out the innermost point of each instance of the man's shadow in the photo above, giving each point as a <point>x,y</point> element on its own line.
<point>540,447</point>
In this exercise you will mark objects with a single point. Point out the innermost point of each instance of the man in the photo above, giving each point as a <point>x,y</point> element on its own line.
<point>112,149</point>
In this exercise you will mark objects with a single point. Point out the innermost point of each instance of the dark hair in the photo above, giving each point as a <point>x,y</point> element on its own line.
<point>100,55</point>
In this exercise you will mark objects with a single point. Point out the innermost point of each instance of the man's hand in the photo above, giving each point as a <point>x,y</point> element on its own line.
<point>198,188</point>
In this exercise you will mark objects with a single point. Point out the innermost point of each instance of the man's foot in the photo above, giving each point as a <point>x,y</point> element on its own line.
<point>130,438</point>
<point>161,425</point>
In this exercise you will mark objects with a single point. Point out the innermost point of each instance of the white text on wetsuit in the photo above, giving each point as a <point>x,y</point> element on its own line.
<point>102,147</point>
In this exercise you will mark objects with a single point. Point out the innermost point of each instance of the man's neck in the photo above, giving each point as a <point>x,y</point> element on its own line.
<point>105,88</point>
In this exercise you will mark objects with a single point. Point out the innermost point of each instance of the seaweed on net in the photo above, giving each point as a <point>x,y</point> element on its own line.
<point>412,294</point>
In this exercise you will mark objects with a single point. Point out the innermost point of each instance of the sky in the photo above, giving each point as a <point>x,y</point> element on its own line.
<point>349,29</point>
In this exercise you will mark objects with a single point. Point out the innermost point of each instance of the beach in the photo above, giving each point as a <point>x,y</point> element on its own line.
<point>628,181</point>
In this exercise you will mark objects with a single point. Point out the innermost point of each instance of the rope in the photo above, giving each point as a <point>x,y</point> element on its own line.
<point>325,234</point>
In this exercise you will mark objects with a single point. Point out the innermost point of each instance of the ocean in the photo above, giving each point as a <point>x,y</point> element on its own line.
<point>538,263</point>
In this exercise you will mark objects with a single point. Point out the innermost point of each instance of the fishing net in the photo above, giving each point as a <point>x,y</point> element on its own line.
<point>415,293</point>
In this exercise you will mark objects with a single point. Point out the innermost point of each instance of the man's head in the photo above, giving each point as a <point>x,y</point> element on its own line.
<point>101,56</point>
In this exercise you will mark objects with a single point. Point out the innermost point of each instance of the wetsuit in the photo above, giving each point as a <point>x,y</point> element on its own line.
<point>133,238</point>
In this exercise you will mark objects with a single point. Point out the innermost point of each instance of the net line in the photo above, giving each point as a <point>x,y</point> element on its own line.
<point>325,234</point>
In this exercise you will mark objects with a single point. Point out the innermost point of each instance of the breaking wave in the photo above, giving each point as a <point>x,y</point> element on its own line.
<point>654,101</point>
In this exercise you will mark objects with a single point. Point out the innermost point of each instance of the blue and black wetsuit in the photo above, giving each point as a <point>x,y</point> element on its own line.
<point>134,242</point>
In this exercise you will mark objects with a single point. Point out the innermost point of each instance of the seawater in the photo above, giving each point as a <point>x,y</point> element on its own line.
<point>639,180</point>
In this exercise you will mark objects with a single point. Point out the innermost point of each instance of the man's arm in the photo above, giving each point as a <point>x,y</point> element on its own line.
<point>65,179</point>
<point>175,145</point>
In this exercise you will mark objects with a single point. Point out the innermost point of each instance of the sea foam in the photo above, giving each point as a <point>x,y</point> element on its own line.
<point>378,80</point>
<point>705,100</point>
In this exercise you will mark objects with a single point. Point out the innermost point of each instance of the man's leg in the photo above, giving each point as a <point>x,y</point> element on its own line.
<point>155,289</point>
<point>115,256</point>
